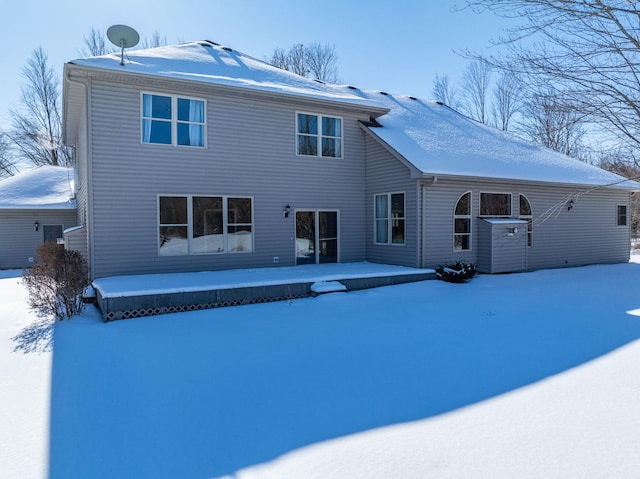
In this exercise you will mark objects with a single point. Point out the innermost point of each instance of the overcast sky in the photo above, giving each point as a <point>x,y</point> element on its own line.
<point>393,46</point>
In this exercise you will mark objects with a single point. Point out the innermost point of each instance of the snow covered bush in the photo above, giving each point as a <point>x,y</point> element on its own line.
<point>56,281</point>
<point>457,272</point>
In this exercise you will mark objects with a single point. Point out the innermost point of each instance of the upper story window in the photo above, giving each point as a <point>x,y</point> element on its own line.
<point>389,218</point>
<point>319,135</point>
<point>495,204</point>
<point>173,120</point>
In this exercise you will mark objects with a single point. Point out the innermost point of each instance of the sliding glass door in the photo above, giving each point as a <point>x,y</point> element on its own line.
<point>316,237</point>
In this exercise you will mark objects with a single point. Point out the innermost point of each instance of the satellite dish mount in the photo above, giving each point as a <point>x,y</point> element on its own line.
<point>124,37</point>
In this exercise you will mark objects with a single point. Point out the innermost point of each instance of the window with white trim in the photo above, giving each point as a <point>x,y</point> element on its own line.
<point>318,135</point>
<point>495,204</point>
<point>462,223</point>
<point>526,213</point>
<point>204,225</point>
<point>173,120</point>
<point>389,218</point>
<point>622,215</point>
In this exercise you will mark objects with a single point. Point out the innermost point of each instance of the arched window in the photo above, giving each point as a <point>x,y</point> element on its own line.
<point>526,213</point>
<point>462,223</point>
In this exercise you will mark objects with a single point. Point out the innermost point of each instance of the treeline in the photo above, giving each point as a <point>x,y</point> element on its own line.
<point>568,77</point>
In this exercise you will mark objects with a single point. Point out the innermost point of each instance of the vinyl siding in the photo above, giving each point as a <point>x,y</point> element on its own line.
<point>80,170</point>
<point>76,240</point>
<point>251,151</point>
<point>19,240</point>
<point>386,174</point>
<point>586,234</point>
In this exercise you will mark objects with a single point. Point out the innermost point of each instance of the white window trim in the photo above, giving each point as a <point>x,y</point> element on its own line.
<point>626,221</point>
<point>225,224</point>
<point>469,217</point>
<point>527,217</point>
<point>510,215</point>
<point>390,219</point>
<point>174,120</point>
<point>320,135</point>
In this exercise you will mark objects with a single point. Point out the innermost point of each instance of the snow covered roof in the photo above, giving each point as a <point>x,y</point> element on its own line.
<point>440,141</point>
<point>435,139</point>
<point>44,187</point>
<point>208,62</point>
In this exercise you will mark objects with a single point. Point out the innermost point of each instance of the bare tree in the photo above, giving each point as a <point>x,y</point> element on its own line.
<point>94,44</point>
<point>549,120</point>
<point>475,89</point>
<point>36,132</point>
<point>279,58</point>
<point>297,59</point>
<point>156,40</point>
<point>294,60</point>
<point>444,92</point>
<point>589,49</point>
<point>322,61</point>
<point>316,61</point>
<point>507,97</point>
<point>7,162</point>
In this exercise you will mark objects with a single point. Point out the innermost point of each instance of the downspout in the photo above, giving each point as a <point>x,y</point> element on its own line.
<point>89,171</point>
<point>420,223</point>
<point>423,217</point>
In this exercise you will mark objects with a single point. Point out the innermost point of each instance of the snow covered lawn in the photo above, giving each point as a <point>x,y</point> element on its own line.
<point>524,375</point>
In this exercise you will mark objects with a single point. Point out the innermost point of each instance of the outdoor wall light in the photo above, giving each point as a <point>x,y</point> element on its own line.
<point>570,205</point>
<point>512,231</point>
<point>36,225</point>
<point>286,211</point>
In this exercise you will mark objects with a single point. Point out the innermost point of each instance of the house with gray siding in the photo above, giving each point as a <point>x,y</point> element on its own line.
<point>35,206</point>
<point>197,157</point>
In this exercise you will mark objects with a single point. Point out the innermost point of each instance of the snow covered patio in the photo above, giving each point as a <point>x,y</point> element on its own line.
<point>124,297</point>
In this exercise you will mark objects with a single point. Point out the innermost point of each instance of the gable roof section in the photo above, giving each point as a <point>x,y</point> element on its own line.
<point>208,62</point>
<point>44,187</point>
<point>440,141</point>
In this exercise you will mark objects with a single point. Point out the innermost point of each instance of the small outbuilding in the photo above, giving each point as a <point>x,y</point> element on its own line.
<point>502,245</point>
<point>35,206</point>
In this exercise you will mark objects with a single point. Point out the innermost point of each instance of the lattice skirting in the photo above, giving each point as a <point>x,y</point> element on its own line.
<point>138,313</point>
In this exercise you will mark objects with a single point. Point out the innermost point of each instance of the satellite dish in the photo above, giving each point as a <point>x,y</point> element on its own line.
<point>124,37</point>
